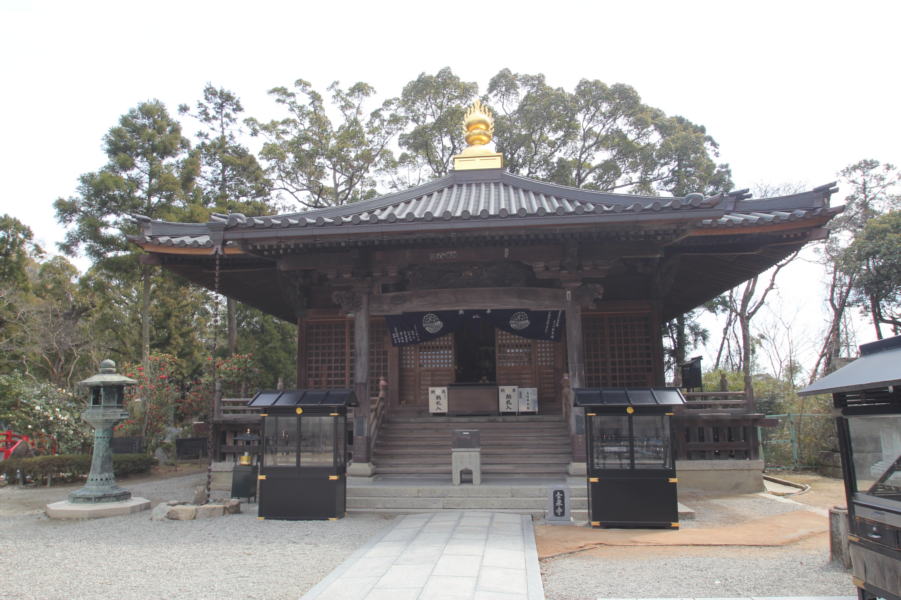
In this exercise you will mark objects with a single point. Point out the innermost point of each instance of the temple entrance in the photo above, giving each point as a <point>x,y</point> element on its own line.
<point>479,353</point>
<point>475,352</point>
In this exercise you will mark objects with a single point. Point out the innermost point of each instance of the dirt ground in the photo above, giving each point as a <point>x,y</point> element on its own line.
<point>15,500</point>
<point>741,522</point>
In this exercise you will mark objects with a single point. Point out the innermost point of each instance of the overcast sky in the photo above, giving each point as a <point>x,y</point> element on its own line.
<point>792,91</point>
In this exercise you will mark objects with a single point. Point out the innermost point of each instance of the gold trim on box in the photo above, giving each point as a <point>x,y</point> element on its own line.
<point>630,410</point>
<point>298,410</point>
<point>593,479</point>
<point>333,478</point>
<point>670,414</point>
<point>333,518</point>
<point>853,538</point>
<point>674,525</point>
<point>334,414</point>
<point>595,523</point>
<point>858,582</point>
<point>261,518</point>
<point>673,480</point>
<point>591,414</point>
<point>261,477</point>
<point>264,414</point>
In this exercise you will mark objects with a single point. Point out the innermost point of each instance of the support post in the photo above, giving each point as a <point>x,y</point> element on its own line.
<point>362,465</point>
<point>575,358</point>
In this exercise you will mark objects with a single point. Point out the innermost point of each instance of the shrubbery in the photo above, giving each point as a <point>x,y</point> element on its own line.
<point>43,412</point>
<point>69,467</point>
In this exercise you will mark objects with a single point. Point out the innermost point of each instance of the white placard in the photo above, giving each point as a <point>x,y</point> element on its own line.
<point>528,400</point>
<point>507,400</point>
<point>438,400</point>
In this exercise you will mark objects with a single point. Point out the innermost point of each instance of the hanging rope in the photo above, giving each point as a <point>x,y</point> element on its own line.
<point>217,388</point>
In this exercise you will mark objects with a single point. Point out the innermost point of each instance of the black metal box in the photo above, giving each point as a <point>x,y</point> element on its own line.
<point>465,438</point>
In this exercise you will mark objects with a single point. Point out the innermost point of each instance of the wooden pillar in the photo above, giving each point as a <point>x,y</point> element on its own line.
<point>575,358</point>
<point>301,381</point>
<point>361,384</point>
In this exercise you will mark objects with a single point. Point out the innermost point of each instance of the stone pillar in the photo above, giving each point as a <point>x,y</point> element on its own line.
<point>576,361</point>
<point>839,551</point>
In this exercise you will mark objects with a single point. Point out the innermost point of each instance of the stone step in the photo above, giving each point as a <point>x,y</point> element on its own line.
<point>520,470</point>
<point>455,503</point>
<point>488,454</point>
<point>436,460</point>
<point>510,419</point>
<point>494,446</point>
<point>493,490</point>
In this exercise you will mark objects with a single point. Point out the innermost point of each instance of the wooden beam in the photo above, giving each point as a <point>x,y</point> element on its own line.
<point>467,298</point>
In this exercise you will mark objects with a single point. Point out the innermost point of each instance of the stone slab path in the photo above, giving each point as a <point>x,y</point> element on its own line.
<point>437,556</point>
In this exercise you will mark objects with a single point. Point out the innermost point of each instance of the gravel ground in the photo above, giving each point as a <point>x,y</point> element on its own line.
<point>680,572</point>
<point>127,557</point>
<point>241,557</point>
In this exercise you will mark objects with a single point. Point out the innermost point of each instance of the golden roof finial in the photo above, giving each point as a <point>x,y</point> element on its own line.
<point>478,124</point>
<point>478,130</point>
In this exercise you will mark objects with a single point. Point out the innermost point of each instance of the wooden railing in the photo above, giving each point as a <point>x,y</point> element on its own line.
<point>236,409</point>
<point>719,402</point>
<point>378,411</point>
<point>716,436</point>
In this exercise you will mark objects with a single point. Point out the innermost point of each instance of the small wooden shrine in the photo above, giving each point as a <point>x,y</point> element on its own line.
<point>485,278</point>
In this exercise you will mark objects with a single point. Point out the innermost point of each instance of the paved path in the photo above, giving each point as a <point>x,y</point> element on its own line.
<point>437,556</point>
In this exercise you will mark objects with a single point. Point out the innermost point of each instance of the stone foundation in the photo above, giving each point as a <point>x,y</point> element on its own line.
<point>730,476</point>
<point>95,510</point>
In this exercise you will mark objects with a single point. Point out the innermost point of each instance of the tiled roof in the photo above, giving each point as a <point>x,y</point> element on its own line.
<point>496,198</point>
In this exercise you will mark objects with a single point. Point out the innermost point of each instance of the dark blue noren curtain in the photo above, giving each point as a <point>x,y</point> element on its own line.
<point>414,328</point>
<point>531,324</point>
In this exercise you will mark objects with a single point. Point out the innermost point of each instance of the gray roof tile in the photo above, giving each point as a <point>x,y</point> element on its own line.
<point>495,195</point>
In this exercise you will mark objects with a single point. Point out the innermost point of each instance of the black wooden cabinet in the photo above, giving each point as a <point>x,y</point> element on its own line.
<point>631,467</point>
<point>303,471</point>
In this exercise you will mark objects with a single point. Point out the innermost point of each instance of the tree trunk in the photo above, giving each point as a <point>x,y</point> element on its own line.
<point>145,316</point>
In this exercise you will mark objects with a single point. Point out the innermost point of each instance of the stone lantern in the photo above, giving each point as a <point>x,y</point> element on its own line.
<point>101,496</point>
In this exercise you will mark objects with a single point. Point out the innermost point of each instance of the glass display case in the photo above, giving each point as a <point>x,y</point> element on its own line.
<point>867,396</point>
<point>302,472</point>
<point>631,469</point>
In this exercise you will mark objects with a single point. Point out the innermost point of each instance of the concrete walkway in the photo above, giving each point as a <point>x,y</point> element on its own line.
<point>437,556</point>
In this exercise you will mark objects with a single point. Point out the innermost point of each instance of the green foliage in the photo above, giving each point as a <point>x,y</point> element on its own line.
<point>273,345</point>
<point>240,376</point>
<point>600,137</point>
<point>318,162</point>
<point>230,178</point>
<point>69,467</point>
<point>875,255</point>
<point>142,177</point>
<point>151,403</point>
<point>17,248</point>
<point>433,107</point>
<point>49,415</point>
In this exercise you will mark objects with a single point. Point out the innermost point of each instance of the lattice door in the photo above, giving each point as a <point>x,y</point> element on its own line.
<point>530,363</point>
<point>425,365</point>
<point>329,353</point>
<point>515,360</point>
<point>619,350</point>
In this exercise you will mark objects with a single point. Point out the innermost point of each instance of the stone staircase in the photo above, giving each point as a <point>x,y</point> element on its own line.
<point>399,496</point>
<point>415,445</point>
<point>522,458</point>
